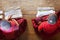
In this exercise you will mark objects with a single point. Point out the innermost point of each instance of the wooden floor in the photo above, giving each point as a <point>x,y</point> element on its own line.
<point>30,34</point>
<point>30,7</point>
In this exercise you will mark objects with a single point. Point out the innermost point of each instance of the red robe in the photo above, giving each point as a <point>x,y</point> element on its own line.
<point>10,34</point>
<point>47,28</point>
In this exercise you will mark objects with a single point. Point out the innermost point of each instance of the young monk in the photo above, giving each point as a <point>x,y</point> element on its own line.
<point>50,25</point>
<point>9,25</point>
<point>9,28</point>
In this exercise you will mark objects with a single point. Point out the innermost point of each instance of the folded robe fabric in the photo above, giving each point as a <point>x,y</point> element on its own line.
<point>47,28</point>
<point>37,20</point>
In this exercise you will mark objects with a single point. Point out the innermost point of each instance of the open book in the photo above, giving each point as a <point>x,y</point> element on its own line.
<point>1,12</point>
<point>41,11</point>
<point>16,13</point>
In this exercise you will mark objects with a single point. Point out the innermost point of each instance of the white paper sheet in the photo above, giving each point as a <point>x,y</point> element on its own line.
<point>44,11</point>
<point>16,13</point>
<point>1,16</point>
<point>1,12</point>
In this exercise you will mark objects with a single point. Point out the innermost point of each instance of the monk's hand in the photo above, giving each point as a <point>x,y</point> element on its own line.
<point>16,22</point>
<point>39,22</point>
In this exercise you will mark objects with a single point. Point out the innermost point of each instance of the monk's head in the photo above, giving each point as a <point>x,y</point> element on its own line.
<point>5,25</point>
<point>52,18</point>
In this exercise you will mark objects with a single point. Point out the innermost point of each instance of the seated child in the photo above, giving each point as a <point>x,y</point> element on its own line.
<point>9,25</point>
<point>50,25</point>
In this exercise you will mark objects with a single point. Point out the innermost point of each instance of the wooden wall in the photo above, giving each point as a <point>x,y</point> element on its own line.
<point>29,9</point>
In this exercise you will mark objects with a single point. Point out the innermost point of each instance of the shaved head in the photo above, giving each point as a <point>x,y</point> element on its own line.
<point>52,19</point>
<point>5,25</point>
